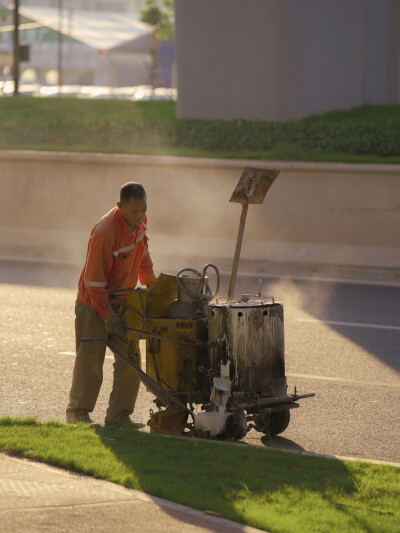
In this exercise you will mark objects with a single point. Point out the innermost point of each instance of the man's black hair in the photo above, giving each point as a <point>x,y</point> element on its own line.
<point>132,188</point>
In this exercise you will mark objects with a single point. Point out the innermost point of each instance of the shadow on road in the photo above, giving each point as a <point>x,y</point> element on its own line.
<point>280,443</point>
<point>364,313</point>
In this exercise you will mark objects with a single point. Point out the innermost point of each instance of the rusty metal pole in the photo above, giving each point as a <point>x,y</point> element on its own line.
<point>251,188</point>
<point>243,216</point>
<point>16,48</point>
<point>59,46</point>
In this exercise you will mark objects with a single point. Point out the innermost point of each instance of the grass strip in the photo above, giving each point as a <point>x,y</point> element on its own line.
<point>267,489</point>
<point>368,134</point>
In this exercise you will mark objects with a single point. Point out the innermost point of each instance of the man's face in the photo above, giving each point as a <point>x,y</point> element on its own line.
<point>133,211</point>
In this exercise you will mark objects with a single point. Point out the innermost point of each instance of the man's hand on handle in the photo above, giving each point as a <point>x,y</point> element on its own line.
<point>115,326</point>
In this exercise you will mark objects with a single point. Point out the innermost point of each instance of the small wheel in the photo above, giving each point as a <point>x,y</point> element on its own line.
<point>276,423</point>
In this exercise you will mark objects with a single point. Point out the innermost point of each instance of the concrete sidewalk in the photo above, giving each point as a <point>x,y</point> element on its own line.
<point>35,497</point>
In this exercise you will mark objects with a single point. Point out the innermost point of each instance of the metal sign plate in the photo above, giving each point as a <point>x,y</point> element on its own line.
<point>253,185</point>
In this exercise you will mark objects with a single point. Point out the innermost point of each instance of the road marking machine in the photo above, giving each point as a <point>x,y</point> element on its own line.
<point>216,366</point>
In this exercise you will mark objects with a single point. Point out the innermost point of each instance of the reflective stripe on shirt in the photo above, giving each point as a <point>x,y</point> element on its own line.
<point>130,247</point>
<point>95,283</point>
<point>126,249</point>
<point>141,237</point>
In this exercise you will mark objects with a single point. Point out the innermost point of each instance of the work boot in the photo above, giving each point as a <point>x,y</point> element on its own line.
<point>125,422</point>
<point>81,416</point>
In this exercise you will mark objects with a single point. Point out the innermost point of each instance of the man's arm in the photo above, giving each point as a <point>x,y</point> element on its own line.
<point>98,264</point>
<point>146,272</point>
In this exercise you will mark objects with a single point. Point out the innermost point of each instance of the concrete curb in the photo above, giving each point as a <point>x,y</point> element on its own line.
<point>340,457</point>
<point>317,213</point>
<point>205,162</point>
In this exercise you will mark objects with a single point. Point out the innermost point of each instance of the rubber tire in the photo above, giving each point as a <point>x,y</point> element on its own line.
<point>237,426</point>
<point>276,422</point>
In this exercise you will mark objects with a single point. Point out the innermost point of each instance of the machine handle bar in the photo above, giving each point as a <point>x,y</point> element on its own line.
<point>266,402</point>
<point>208,295</point>
<point>162,394</point>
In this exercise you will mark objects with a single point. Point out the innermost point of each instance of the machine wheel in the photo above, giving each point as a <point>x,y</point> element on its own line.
<point>236,427</point>
<point>276,422</point>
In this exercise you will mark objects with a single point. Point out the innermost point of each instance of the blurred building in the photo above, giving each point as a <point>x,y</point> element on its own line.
<point>285,59</point>
<point>108,48</point>
<point>117,6</point>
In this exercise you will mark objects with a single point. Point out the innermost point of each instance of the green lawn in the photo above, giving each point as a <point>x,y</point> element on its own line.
<point>369,134</point>
<point>267,489</point>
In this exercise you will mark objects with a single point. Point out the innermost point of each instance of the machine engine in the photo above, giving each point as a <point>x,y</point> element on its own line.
<point>223,360</point>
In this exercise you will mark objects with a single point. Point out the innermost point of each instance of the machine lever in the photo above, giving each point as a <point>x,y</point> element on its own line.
<point>159,392</point>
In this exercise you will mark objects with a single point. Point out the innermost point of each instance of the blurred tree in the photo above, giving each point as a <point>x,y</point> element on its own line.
<point>160,15</point>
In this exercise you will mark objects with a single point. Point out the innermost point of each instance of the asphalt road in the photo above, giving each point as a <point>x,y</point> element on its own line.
<point>342,342</point>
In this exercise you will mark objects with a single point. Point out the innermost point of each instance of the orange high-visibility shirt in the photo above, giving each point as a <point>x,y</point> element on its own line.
<point>116,257</point>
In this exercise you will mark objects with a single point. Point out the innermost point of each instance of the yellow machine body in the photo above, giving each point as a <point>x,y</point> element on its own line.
<point>141,304</point>
<point>154,302</point>
<point>171,364</point>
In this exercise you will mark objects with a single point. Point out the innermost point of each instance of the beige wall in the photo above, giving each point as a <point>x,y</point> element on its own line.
<point>313,212</point>
<point>286,59</point>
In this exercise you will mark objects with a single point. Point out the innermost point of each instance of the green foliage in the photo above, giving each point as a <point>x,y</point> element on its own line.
<point>9,421</point>
<point>267,489</point>
<point>159,15</point>
<point>366,134</point>
<point>325,135</point>
<point>3,13</point>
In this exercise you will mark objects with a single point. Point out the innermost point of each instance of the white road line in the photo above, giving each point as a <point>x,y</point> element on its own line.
<point>294,277</point>
<point>346,324</point>
<point>73,353</point>
<point>345,380</point>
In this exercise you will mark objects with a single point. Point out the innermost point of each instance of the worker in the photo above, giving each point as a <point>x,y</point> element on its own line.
<point>117,255</point>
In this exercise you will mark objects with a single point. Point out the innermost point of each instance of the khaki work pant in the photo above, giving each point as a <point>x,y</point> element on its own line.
<point>88,369</point>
